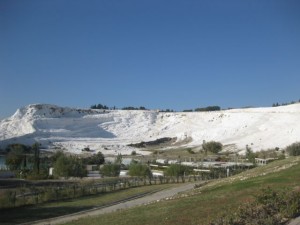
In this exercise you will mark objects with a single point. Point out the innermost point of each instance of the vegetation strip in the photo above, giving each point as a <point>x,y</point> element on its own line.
<point>95,208</point>
<point>205,204</point>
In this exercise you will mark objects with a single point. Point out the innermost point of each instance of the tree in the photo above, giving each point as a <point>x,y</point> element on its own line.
<point>97,159</point>
<point>16,157</point>
<point>62,166</point>
<point>99,106</point>
<point>212,146</point>
<point>293,149</point>
<point>67,166</point>
<point>177,170</point>
<point>119,159</point>
<point>250,155</point>
<point>36,159</point>
<point>139,170</point>
<point>208,108</point>
<point>111,170</point>
<point>78,169</point>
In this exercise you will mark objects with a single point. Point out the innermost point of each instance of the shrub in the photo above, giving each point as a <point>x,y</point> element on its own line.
<point>133,153</point>
<point>250,155</point>
<point>67,166</point>
<point>212,146</point>
<point>269,207</point>
<point>208,108</point>
<point>97,159</point>
<point>293,149</point>
<point>189,150</point>
<point>177,170</point>
<point>16,157</point>
<point>140,170</point>
<point>111,170</point>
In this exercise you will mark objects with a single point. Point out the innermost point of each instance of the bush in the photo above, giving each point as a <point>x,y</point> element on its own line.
<point>111,170</point>
<point>208,108</point>
<point>67,166</point>
<point>139,170</point>
<point>269,207</point>
<point>250,155</point>
<point>177,170</point>
<point>16,157</point>
<point>97,159</point>
<point>133,153</point>
<point>189,150</point>
<point>293,149</point>
<point>212,146</point>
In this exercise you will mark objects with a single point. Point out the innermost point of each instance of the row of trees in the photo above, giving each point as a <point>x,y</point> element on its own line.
<point>134,108</point>
<point>201,109</point>
<point>28,161</point>
<point>293,149</point>
<point>204,109</point>
<point>100,106</point>
<point>20,156</point>
<point>285,103</point>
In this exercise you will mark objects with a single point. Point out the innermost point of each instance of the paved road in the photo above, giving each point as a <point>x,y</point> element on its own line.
<point>136,202</point>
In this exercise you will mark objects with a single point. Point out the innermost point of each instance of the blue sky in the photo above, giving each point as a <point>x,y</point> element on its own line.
<point>158,54</point>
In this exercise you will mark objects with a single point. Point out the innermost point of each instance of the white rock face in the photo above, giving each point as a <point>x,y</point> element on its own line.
<point>111,131</point>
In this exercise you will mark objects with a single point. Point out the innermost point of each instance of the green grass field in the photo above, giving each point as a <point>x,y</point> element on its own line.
<point>59,208</point>
<point>209,202</point>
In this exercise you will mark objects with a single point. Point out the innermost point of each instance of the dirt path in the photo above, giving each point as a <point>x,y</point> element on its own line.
<point>295,221</point>
<point>124,205</point>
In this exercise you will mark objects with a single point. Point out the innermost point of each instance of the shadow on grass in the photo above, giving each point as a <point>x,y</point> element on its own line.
<point>33,213</point>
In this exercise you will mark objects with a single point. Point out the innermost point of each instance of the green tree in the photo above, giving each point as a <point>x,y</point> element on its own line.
<point>16,157</point>
<point>111,170</point>
<point>208,108</point>
<point>62,166</point>
<point>36,159</point>
<point>99,106</point>
<point>250,155</point>
<point>212,146</point>
<point>78,168</point>
<point>67,166</point>
<point>139,170</point>
<point>97,159</point>
<point>293,149</point>
<point>119,159</point>
<point>177,170</point>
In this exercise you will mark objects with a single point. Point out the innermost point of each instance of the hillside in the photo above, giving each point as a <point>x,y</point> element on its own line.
<point>209,202</point>
<point>111,131</point>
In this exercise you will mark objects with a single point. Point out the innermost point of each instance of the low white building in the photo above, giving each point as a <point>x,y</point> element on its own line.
<point>162,161</point>
<point>123,173</point>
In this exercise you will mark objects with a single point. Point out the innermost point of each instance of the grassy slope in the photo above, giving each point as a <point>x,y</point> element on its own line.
<point>54,209</point>
<point>211,201</point>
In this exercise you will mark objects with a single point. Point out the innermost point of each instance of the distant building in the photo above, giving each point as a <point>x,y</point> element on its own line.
<point>123,173</point>
<point>262,162</point>
<point>162,161</point>
<point>173,161</point>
